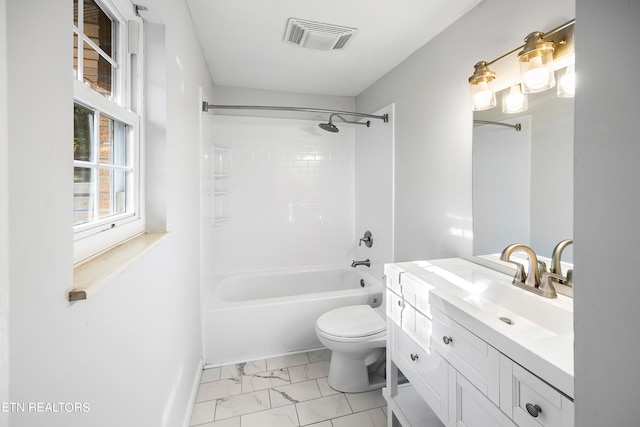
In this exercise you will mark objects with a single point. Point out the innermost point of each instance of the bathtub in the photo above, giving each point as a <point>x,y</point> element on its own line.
<point>257,315</point>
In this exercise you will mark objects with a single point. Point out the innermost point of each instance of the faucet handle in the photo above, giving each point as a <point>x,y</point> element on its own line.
<point>367,239</point>
<point>546,284</point>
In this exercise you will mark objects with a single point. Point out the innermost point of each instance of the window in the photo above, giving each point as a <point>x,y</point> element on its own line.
<point>107,178</point>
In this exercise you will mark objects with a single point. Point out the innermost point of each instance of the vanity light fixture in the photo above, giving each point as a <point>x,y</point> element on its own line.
<point>482,94</point>
<point>539,57</point>
<point>514,101</point>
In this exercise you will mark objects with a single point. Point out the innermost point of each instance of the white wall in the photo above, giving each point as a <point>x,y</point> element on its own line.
<point>433,122</point>
<point>4,220</point>
<point>607,208</point>
<point>292,194</point>
<point>131,351</point>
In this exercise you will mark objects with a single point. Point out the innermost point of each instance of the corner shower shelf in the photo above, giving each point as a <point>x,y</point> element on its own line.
<point>216,186</point>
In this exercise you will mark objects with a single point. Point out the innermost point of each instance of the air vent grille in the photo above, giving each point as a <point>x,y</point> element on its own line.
<point>317,35</point>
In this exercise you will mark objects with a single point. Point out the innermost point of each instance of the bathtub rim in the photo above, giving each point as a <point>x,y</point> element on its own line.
<point>213,302</point>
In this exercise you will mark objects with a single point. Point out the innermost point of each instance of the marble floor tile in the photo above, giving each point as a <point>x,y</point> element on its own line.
<point>217,389</point>
<point>211,374</point>
<point>242,404</point>
<point>294,393</point>
<point>241,369</point>
<point>320,424</point>
<point>265,380</point>
<point>229,422</point>
<point>287,361</point>
<point>285,416</point>
<point>366,400</point>
<point>322,409</point>
<point>203,412</point>
<point>309,372</point>
<point>372,418</point>
<point>325,388</point>
<point>319,355</point>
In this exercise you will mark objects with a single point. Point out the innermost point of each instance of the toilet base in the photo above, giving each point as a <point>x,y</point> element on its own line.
<point>351,375</point>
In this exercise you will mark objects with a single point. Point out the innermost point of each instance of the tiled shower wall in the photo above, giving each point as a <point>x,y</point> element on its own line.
<point>292,195</point>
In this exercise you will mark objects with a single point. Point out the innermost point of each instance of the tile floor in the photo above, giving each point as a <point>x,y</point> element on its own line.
<point>283,391</point>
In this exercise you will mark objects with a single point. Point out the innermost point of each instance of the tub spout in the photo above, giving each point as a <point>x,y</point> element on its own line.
<point>366,262</point>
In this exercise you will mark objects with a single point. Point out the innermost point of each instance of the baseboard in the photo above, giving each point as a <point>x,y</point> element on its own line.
<point>194,392</point>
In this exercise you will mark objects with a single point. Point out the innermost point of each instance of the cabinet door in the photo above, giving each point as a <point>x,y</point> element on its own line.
<point>471,408</point>
<point>394,307</point>
<point>426,370</point>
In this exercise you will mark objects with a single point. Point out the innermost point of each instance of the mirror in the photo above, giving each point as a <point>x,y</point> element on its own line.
<point>523,180</point>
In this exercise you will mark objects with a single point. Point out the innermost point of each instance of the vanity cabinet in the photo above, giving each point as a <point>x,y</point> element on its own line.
<point>454,377</point>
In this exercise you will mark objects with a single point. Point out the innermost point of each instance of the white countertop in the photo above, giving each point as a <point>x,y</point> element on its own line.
<point>540,337</point>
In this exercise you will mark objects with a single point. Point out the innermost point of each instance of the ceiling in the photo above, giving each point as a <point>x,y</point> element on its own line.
<point>243,44</point>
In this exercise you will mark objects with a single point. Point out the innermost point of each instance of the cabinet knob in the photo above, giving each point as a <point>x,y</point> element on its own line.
<point>447,340</point>
<point>533,409</point>
<point>414,357</point>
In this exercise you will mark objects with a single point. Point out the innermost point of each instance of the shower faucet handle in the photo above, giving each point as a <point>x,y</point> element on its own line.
<point>367,239</point>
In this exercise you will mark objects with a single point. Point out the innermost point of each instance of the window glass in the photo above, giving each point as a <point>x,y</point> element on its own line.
<point>83,195</point>
<point>83,123</point>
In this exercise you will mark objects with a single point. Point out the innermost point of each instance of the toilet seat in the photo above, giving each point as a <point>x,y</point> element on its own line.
<point>352,324</point>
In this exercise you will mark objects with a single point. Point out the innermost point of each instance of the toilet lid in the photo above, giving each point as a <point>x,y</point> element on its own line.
<point>351,322</point>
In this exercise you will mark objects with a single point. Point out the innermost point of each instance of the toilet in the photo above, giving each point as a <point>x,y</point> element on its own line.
<point>356,336</point>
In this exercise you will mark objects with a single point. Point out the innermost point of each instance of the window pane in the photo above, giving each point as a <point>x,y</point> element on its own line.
<point>98,26</point>
<point>97,71</point>
<point>113,142</point>
<point>75,12</point>
<point>112,184</point>
<point>83,119</point>
<point>82,195</point>
<point>75,55</point>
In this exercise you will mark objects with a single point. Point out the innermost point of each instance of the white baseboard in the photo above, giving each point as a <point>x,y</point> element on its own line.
<point>194,391</point>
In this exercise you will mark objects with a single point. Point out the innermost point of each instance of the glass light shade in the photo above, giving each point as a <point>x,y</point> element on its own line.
<point>514,101</point>
<point>567,82</point>
<point>483,96</point>
<point>536,64</point>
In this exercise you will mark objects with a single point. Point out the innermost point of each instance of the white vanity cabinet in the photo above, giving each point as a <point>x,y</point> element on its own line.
<point>455,377</point>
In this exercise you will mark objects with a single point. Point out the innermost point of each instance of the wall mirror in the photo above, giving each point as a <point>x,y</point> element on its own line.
<point>523,180</point>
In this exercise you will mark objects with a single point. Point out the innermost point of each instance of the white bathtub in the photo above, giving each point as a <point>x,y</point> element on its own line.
<point>251,316</point>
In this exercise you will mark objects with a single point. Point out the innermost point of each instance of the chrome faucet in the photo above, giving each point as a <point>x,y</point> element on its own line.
<point>531,281</point>
<point>366,262</point>
<point>556,268</point>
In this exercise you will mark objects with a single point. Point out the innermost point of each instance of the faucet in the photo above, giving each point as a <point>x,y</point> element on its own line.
<point>531,281</point>
<point>556,269</point>
<point>366,262</point>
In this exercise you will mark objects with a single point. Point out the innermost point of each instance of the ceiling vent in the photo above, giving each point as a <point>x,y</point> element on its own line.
<point>316,35</point>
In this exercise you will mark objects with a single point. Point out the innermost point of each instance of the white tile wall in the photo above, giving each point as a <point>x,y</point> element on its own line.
<point>292,201</point>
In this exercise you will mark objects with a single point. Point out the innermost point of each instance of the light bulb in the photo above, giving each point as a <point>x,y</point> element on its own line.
<point>514,101</point>
<point>537,76</point>
<point>567,83</point>
<point>483,96</point>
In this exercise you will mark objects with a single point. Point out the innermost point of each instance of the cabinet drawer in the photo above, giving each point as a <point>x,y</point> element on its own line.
<point>466,352</point>
<point>394,307</point>
<point>535,403</point>
<point>426,370</point>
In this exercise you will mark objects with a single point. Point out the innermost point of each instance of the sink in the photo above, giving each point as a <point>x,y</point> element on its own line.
<point>493,298</point>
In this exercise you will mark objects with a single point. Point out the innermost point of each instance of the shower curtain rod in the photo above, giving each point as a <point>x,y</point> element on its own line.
<point>206,107</point>
<point>517,126</point>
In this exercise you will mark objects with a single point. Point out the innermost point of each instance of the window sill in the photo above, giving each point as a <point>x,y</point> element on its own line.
<point>92,275</point>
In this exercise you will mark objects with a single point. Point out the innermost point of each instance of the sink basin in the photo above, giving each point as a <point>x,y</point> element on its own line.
<point>491,296</point>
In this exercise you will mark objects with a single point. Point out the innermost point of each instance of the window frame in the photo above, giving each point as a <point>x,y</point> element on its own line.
<point>124,105</point>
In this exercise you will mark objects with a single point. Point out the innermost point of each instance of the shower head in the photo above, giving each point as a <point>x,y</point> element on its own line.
<point>330,127</point>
